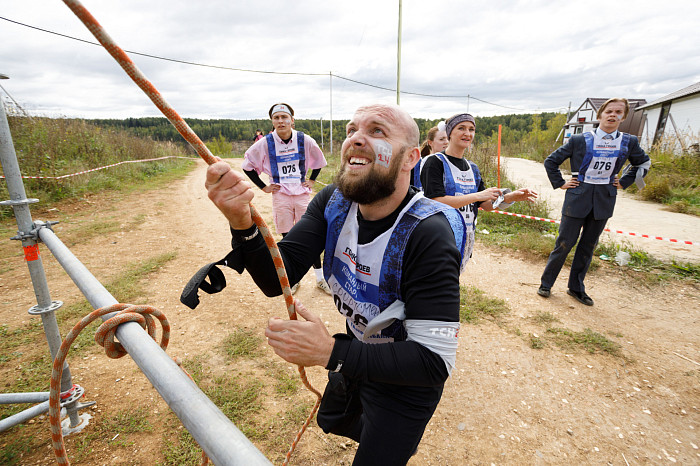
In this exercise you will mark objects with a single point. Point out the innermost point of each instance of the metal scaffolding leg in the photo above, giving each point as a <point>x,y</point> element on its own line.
<point>27,234</point>
<point>215,433</point>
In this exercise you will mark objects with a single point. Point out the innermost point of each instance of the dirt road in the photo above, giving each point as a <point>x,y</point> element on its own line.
<point>516,396</point>
<point>631,215</point>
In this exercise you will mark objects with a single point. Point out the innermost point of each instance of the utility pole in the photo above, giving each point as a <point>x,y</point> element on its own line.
<point>398,61</point>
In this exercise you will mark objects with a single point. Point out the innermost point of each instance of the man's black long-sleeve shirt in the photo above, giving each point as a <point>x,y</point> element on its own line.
<point>429,288</point>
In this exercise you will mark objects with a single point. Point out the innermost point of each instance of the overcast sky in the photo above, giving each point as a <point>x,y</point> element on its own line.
<point>524,56</point>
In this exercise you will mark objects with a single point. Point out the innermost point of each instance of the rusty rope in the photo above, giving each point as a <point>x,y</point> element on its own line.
<point>189,135</point>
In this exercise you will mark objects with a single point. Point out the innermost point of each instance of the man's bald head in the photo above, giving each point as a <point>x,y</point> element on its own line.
<point>399,117</point>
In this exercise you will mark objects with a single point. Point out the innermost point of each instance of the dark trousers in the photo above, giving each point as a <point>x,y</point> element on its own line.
<point>388,431</point>
<point>569,230</point>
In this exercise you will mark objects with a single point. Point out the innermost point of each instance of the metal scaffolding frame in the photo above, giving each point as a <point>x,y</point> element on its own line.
<point>216,434</point>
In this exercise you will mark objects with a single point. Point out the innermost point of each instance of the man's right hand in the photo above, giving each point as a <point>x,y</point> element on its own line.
<point>570,183</point>
<point>231,194</point>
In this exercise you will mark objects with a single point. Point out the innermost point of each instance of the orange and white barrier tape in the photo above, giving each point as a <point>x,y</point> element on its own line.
<point>639,235</point>
<point>100,168</point>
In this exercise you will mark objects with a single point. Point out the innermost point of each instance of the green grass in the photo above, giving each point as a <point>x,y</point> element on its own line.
<point>286,381</point>
<point>56,146</point>
<point>545,318</point>
<point>242,342</point>
<point>591,341</point>
<point>475,305</point>
<point>673,180</point>
<point>118,430</point>
<point>10,454</point>
<point>641,261</point>
<point>183,451</point>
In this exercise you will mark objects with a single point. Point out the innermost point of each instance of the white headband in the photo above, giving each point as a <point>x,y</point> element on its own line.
<point>281,108</point>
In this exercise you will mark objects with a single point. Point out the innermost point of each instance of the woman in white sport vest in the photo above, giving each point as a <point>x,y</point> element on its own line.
<point>450,178</point>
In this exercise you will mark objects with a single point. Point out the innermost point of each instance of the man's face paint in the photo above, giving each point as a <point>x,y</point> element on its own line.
<point>382,152</point>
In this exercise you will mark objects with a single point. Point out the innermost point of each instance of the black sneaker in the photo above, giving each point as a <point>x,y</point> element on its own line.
<point>581,297</point>
<point>544,291</point>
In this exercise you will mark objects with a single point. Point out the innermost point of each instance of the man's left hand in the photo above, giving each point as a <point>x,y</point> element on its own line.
<point>309,183</point>
<point>306,343</point>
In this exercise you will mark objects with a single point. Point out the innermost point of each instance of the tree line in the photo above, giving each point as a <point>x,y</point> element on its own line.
<point>159,128</point>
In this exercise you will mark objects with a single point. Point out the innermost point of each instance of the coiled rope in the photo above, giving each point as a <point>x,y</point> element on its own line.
<point>186,132</point>
<point>104,336</point>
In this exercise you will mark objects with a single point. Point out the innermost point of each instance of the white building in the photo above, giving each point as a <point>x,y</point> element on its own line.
<point>585,118</point>
<point>673,121</point>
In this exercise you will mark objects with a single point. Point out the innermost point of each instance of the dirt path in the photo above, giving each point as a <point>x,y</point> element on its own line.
<point>506,403</point>
<point>631,215</point>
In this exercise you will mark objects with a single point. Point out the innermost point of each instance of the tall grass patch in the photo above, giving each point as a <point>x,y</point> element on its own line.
<point>474,305</point>
<point>52,147</point>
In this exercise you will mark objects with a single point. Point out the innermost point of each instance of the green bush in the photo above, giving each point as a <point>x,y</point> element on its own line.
<point>657,189</point>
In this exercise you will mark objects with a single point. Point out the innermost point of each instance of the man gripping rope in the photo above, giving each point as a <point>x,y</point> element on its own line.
<point>286,156</point>
<point>394,276</point>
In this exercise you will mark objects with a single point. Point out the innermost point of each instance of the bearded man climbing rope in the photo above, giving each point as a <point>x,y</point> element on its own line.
<point>393,276</point>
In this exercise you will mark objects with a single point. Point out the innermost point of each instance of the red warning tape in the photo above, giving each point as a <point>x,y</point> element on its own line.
<point>102,168</point>
<point>607,229</point>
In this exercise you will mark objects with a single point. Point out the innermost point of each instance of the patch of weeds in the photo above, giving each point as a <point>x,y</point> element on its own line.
<point>651,269</point>
<point>83,446</point>
<point>11,453</point>
<point>286,383</point>
<point>589,340</point>
<point>238,401</point>
<point>195,367</point>
<point>184,451</point>
<point>536,342</point>
<point>128,286</point>
<point>242,342</point>
<point>127,422</point>
<point>544,318</point>
<point>30,376</point>
<point>474,304</point>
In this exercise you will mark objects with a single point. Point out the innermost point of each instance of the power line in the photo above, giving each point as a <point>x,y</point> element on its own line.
<point>165,58</point>
<point>184,62</point>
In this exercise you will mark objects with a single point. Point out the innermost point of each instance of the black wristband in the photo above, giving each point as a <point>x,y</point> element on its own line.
<point>241,236</point>
<point>340,352</point>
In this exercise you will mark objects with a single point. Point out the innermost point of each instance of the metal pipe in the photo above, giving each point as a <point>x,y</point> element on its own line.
<point>20,205</point>
<point>24,416</point>
<point>214,432</point>
<point>31,397</point>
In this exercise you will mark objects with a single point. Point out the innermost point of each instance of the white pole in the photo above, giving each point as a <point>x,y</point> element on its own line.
<point>398,61</point>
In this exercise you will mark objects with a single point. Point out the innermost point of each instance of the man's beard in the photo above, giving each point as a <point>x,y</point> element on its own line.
<point>372,187</point>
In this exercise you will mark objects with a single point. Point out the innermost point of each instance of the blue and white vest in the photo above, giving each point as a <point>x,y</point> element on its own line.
<point>365,279</point>
<point>288,167</point>
<point>459,182</point>
<point>603,158</point>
